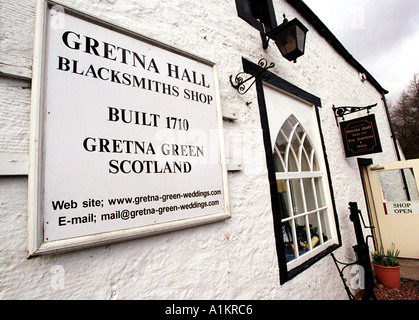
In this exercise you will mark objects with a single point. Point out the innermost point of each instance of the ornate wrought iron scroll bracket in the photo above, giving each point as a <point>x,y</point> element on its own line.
<point>344,280</point>
<point>242,85</point>
<point>342,111</point>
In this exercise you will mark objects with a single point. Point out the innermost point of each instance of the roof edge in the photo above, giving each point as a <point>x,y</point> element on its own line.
<point>321,28</point>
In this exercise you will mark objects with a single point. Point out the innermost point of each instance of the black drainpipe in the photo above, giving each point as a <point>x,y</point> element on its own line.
<point>393,136</point>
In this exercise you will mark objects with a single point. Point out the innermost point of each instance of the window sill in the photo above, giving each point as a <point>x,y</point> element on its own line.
<point>312,259</point>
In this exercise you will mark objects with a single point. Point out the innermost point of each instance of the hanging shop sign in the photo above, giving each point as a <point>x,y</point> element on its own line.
<point>360,136</point>
<point>126,136</point>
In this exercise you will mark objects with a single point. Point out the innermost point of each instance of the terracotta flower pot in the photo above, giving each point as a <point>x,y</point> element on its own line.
<point>388,276</point>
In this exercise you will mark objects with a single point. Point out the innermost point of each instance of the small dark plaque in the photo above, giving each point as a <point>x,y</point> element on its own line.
<point>360,136</point>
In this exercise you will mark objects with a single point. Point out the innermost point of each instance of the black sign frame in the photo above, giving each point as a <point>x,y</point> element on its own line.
<point>360,136</point>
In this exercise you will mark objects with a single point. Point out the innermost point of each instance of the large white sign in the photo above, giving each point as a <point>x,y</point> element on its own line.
<point>131,136</point>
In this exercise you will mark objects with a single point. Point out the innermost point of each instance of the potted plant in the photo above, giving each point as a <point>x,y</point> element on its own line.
<point>386,267</point>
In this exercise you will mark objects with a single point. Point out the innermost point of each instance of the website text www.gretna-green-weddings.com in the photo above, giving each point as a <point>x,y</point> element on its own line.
<point>172,196</point>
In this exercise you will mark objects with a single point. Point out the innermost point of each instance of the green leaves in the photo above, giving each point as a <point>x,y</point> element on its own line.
<point>389,260</point>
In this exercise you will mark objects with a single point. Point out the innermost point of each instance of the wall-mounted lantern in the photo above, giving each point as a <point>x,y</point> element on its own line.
<point>289,37</point>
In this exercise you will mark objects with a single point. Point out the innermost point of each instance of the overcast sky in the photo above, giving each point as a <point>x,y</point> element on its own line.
<point>383,35</point>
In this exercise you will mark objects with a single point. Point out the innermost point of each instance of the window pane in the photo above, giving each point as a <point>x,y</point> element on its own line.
<point>295,142</point>
<point>281,144</point>
<point>278,163</point>
<point>286,128</point>
<point>398,184</point>
<point>325,225</point>
<point>299,132</point>
<point>303,246</point>
<point>315,229</point>
<point>292,162</point>
<point>296,196</point>
<point>315,163</point>
<point>309,194</point>
<point>308,146</point>
<point>288,241</point>
<point>283,198</point>
<point>305,166</point>
<point>319,192</point>
<point>292,120</point>
<point>411,184</point>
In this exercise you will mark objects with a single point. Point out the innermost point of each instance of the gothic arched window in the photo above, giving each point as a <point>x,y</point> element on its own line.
<point>304,211</point>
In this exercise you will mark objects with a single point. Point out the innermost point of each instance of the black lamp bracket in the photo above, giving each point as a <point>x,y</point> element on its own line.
<point>342,111</point>
<point>242,85</point>
<point>267,35</point>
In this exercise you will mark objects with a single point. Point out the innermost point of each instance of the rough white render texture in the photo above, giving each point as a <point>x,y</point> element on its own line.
<point>234,259</point>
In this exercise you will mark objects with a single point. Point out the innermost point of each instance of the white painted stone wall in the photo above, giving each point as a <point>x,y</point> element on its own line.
<point>234,259</point>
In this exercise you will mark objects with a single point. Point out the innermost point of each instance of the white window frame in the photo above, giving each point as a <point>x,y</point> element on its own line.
<point>282,99</point>
<point>299,175</point>
<point>277,100</point>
